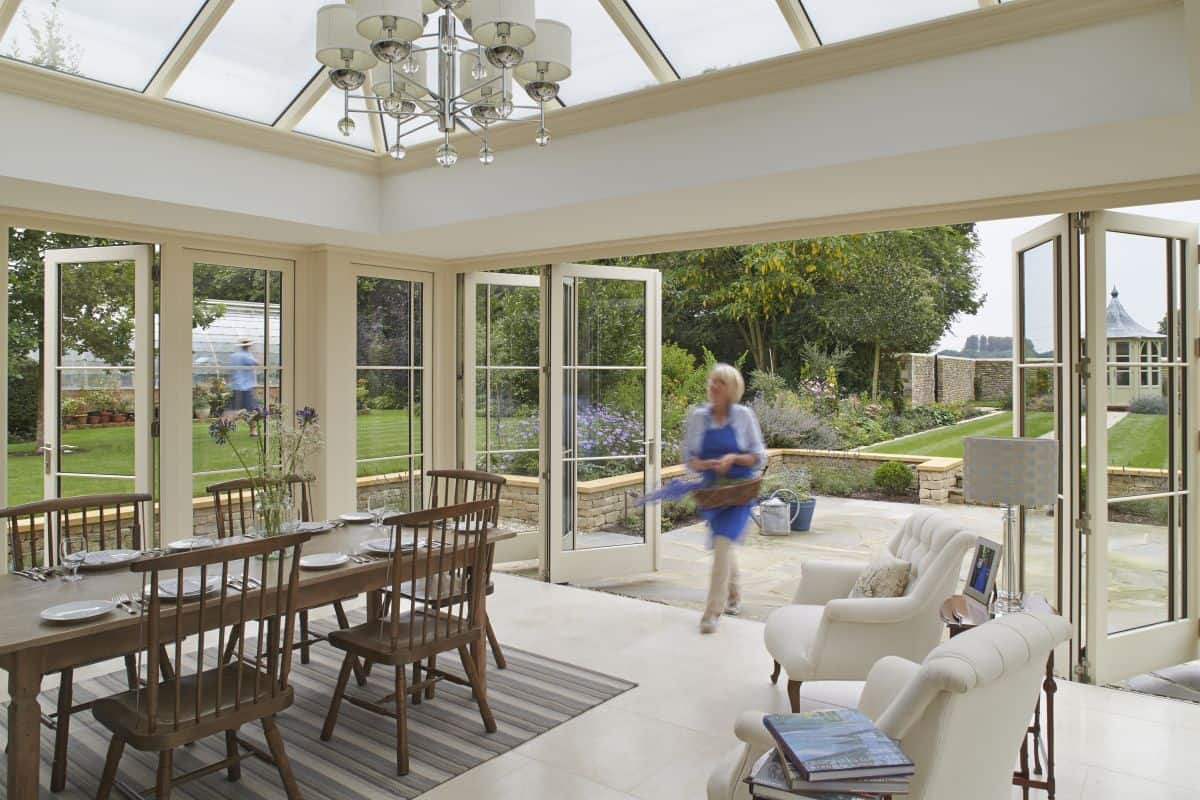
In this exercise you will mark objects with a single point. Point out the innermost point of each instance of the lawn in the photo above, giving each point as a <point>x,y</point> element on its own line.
<point>110,451</point>
<point>1138,440</point>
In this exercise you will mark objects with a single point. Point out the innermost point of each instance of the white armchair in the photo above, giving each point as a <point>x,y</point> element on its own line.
<point>825,635</point>
<point>959,716</point>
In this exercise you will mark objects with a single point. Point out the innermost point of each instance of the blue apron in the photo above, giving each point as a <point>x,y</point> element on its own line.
<point>729,521</point>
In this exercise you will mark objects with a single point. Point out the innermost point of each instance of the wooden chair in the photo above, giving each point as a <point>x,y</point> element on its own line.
<point>233,505</point>
<point>214,696</point>
<point>454,487</point>
<point>34,532</point>
<point>452,547</point>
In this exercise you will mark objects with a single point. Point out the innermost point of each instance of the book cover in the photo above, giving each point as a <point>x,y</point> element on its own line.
<point>767,782</point>
<point>836,744</point>
<point>772,771</point>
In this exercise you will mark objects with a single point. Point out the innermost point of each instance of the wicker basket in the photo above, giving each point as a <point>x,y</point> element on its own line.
<point>732,494</point>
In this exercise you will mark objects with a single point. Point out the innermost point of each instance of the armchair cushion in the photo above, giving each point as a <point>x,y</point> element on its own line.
<point>822,581</point>
<point>885,576</point>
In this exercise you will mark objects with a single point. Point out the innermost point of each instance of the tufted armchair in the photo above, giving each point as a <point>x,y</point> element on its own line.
<point>826,636</point>
<point>959,716</point>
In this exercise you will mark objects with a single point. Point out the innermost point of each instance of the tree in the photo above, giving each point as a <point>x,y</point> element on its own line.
<point>52,47</point>
<point>753,286</point>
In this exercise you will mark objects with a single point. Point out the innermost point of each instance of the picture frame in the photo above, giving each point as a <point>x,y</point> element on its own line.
<point>985,564</point>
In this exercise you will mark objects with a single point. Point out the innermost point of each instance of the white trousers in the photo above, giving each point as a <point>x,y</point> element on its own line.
<point>723,585</point>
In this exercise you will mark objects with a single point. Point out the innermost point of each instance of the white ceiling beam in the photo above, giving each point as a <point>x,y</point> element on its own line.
<point>189,44</point>
<point>8,11</point>
<point>375,120</point>
<point>309,96</point>
<point>798,21</point>
<point>640,39</point>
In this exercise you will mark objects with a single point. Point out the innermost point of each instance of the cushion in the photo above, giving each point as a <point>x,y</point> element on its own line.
<point>885,576</point>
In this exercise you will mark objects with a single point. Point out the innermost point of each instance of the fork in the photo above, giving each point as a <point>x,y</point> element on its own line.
<point>121,601</point>
<point>24,573</point>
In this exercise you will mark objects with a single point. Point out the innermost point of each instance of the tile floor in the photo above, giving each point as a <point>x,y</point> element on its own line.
<point>660,740</point>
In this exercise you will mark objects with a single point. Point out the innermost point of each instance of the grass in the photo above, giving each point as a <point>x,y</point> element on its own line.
<point>947,442</point>
<point>1138,440</point>
<point>107,451</point>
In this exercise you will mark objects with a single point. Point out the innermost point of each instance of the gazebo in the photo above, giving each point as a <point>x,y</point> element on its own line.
<point>1131,342</point>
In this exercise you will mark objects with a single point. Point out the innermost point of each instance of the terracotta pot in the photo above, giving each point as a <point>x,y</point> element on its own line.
<point>118,417</point>
<point>105,417</point>
<point>93,419</point>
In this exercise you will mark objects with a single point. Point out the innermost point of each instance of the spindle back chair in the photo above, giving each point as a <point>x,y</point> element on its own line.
<point>233,503</point>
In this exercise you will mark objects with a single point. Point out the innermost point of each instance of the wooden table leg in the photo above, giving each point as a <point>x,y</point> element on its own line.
<point>24,724</point>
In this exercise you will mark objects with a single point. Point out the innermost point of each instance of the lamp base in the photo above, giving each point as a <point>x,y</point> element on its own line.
<point>1008,603</point>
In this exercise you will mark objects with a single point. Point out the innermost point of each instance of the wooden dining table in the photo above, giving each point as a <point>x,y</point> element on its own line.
<point>31,647</point>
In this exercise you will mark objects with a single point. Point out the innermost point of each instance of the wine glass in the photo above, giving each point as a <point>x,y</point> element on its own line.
<point>377,504</point>
<point>72,549</point>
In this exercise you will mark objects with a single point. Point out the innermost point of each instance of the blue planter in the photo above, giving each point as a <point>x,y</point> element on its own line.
<point>803,514</point>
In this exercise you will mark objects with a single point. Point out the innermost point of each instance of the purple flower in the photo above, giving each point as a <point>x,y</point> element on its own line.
<point>306,416</point>
<point>221,429</point>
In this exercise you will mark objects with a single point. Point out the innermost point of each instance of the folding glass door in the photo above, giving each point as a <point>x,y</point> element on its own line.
<point>98,362</point>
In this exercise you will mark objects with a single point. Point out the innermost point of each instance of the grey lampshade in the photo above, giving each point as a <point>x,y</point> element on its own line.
<point>1006,471</point>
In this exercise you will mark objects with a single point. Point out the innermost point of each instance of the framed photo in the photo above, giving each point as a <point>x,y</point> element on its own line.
<point>981,580</point>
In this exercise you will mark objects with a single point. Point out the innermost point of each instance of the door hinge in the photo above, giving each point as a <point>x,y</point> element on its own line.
<point>1082,220</point>
<point>1198,347</point>
<point>1083,523</point>
<point>156,271</point>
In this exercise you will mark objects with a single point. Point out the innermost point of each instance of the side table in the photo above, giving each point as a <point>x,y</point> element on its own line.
<point>961,613</point>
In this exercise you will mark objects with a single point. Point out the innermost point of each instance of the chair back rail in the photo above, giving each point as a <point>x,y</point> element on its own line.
<point>104,518</point>
<point>451,550</point>
<point>233,503</point>
<point>455,486</point>
<point>168,622</point>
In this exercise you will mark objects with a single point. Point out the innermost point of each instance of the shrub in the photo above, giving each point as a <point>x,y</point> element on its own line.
<point>893,478</point>
<point>1149,405</point>
<point>786,424</point>
<point>790,479</point>
<point>839,481</point>
<point>767,385</point>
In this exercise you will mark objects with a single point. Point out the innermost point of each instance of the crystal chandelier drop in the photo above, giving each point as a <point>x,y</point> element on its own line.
<point>446,78</point>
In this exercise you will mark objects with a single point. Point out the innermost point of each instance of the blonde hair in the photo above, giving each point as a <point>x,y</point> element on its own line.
<point>731,377</point>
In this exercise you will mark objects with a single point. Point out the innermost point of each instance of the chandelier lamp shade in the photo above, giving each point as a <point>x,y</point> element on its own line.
<point>445,78</point>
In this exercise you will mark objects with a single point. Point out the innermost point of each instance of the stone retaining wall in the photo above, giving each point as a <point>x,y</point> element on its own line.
<point>955,379</point>
<point>993,378</point>
<point>930,379</point>
<point>917,378</point>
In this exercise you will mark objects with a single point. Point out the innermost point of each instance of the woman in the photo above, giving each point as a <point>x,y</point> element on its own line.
<point>723,440</point>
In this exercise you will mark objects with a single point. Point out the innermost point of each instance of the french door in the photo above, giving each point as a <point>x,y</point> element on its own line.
<point>1105,310</point>
<point>98,364</point>
<point>601,412</point>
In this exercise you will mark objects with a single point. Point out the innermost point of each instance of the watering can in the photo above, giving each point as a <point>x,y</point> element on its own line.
<point>774,515</point>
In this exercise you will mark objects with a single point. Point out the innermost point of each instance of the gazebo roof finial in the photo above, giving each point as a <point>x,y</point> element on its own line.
<point>1114,292</point>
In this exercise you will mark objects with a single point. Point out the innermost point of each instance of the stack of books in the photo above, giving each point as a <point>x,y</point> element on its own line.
<point>834,754</point>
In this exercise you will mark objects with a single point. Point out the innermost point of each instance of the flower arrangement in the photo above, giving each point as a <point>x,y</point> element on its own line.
<point>278,455</point>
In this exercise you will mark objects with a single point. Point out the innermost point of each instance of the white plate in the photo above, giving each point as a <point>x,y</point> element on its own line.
<point>384,543</point>
<point>193,543</point>
<point>308,527</point>
<point>356,516</point>
<point>323,560</point>
<point>191,587</point>
<point>78,611</point>
<point>108,558</point>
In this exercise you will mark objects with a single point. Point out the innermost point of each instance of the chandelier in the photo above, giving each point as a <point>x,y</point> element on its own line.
<point>446,78</point>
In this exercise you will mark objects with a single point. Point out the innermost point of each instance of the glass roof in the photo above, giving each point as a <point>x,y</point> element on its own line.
<point>86,37</point>
<point>727,34</point>
<point>322,121</point>
<point>259,56</point>
<point>255,62</point>
<point>838,20</point>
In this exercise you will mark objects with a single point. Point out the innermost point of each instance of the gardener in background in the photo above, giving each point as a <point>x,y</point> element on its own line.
<point>242,381</point>
<point>723,441</point>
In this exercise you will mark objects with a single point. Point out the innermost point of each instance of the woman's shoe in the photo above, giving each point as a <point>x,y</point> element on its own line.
<point>708,625</point>
<point>734,606</point>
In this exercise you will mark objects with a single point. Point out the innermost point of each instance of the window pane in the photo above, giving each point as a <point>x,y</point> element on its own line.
<point>322,121</point>
<point>84,37</point>
<point>611,323</point>
<point>604,63</point>
<point>256,61</point>
<point>837,20</point>
<point>385,322</point>
<point>746,30</point>
<point>1037,302</point>
<point>385,427</point>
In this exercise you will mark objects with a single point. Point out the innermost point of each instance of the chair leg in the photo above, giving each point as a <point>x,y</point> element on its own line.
<point>131,672</point>
<point>432,666</point>
<point>305,645</point>
<point>336,703</point>
<point>416,699</point>
<point>234,770</point>
<point>164,664</point>
<point>343,622</point>
<point>162,784</point>
<point>401,721</point>
<point>279,755</point>
<point>231,645</point>
<point>794,695</point>
<point>775,673</point>
<point>116,747</point>
<point>485,711</point>
<point>62,733</point>
<point>497,653</point>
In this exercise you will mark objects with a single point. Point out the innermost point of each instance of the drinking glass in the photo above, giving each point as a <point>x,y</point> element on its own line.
<point>377,504</point>
<point>72,549</point>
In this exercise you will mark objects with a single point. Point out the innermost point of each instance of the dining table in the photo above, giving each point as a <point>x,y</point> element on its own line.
<point>31,647</point>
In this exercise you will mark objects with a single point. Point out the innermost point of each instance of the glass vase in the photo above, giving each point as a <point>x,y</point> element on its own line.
<point>273,508</point>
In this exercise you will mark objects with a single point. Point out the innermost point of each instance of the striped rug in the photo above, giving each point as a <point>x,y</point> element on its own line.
<point>446,735</point>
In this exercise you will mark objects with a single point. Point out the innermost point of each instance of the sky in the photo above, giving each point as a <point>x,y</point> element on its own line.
<point>1136,266</point>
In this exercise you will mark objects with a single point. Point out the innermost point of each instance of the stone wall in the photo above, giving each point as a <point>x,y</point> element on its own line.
<point>993,378</point>
<point>917,378</point>
<point>955,379</point>
<point>1127,481</point>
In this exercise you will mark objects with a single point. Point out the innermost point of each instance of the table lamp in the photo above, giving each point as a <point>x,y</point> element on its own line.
<point>1010,472</point>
